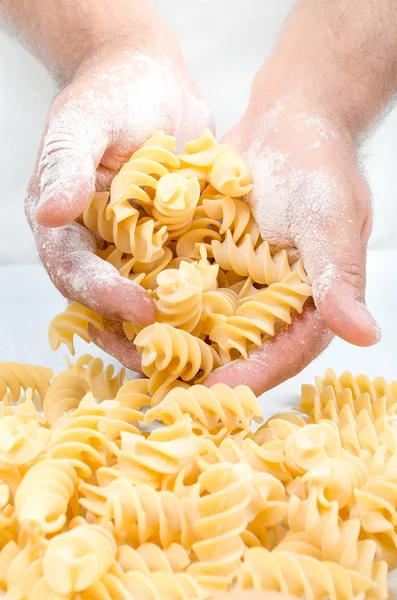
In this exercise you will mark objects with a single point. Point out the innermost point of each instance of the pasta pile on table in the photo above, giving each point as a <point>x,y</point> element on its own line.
<point>96,504</point>
<point>179,226</point>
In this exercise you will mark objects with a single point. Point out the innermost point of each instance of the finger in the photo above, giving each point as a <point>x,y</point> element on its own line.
<point>335,260</point>
<point>113,341</point>
<point>72,148</point>
<point>285,356</point>
<point>68,256</point>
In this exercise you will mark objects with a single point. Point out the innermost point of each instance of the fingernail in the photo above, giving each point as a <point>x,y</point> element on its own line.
<point>366,316</point>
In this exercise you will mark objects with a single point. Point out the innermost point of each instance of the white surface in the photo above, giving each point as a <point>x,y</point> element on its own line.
<point>224,43</point>
<point>28,301</point>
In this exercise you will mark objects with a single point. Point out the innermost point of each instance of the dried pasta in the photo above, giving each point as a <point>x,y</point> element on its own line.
<point>155,488</point>
<point>93,505</point>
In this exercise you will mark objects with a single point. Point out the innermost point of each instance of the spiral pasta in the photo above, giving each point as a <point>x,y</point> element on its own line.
<point>257,316</point>
<point>230,174</point>
<point>164,348</point>
<point>176,200</point>
<point>102,381</point>
<point>15,377</point>
<point>141,514</point>
<point>65,393</point>
<point>257,263</point>
<point>127,230</point>
<point>74,320</point>
<point>304,575</point>
<point>142,171</point>
<point>42,499</point>
<point>148,460</point>
<point>202,152</point>
<point>148,558</point>
<point>223,517</point>
<point>235,216</point>
<point>76,559</point>
<point>210,406</point>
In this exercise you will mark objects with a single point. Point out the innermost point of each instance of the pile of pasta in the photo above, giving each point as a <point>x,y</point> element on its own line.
<point>179,226</point>
<point>97,504</point>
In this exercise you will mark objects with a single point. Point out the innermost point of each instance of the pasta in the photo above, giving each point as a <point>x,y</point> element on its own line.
<point>94,506</point>
<point>140,514</point>
<point>257,263</point>
<point>15,377</point>
<point>73,321</point>
<point>165,348</point>
<point>210,406</point>
<point>257,316</point>
<point>95,503</point>
<point>41,500</point>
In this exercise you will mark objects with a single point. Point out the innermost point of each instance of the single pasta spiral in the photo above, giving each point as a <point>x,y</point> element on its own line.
<point>140,174</point>
<point>202,152</point>
<point>163,347</point>
<point>127,230</point>
<point>230,174</point>
<point>140,514</point>
<point>235,216</point>
<point>76,559</point>
<point>180,291</point>
<point>102,382</point>
<point>42,499</point>
<point>307,576</point>
<point>15,377</point>
<point>223,517</point>
<point>176,200</point>
<point>21,441</point>
<point>65,393</point>
<point>217,306</point>
<point>148,460</point>
<point>307,446</point>
<point>73,321</point>
<point>257,316</point>
<point>255,262</point>
<point>211,407</point>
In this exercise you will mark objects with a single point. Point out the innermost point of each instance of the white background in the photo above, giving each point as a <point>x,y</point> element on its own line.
<point>224,43</point>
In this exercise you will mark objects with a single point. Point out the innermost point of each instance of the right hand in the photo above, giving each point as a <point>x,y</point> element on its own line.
<point>115,101</point>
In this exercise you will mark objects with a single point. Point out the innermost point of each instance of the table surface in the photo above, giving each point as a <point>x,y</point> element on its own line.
<point>28,301</point>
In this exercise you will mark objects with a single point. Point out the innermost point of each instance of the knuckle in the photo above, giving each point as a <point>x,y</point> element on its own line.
<point>352,273</point>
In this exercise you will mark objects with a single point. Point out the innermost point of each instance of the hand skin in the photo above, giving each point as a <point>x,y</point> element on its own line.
<point>122,77</point>
<point>328,78</point>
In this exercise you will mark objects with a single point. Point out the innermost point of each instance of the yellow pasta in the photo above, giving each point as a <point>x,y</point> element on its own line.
<point>15,377</point>
<point>230,174</point>
<point>65,393</point>
<point>102,382</point>
<point>257,316</point>
<point>140,514</point>
<point>42,499</point>
<point>76,559</point>
<point>73,321</point>
<point>176,200</point>
<point>255,262</point>
<point>218,405</point>
<point>178,352</point>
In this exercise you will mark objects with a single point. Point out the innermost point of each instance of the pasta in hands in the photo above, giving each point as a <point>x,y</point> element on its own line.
<point>180,227</point>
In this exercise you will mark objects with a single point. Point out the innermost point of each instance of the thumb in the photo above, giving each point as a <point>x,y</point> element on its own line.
<point>335,261</point>
<point>71,150</point>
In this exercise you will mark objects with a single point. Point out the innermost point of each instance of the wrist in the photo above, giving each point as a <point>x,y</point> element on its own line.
<point>110,32</point>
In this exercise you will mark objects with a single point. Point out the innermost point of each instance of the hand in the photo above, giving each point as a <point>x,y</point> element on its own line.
<point>308,195</point>
<point>111,106</point>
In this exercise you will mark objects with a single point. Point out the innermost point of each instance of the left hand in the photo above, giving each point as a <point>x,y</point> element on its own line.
<point>307,195</point>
